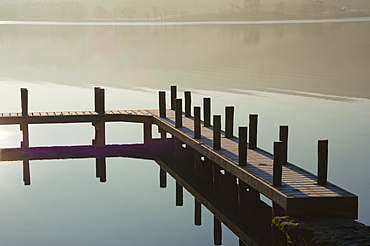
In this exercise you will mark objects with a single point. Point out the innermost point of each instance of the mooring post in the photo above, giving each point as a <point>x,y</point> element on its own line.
<point>242,145</point>
<point>229,121</point>
<point>253,120</point>
<point>162,178</point>
<point>162,104</point>
<point>197,128</point>
<point>96,99</point>
<point>179,195</point>
<point>100,100</point>
<point>283,137</point>
<point>187,95</point>
<point>147,132</point>
<point>173,96</point>
<point>24,101</point>
<point>277,165</point>
<point>100,109</point>
<point>207,111</point>
<point>217,132</point>
<point>217,231</point>
<point>197,213</point>
<point>178,112</point>
<point>26,172</point>
<point>24,126</point>
<point>322,170</point>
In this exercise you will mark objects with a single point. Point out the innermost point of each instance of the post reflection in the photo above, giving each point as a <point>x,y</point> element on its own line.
<point>232,202</point>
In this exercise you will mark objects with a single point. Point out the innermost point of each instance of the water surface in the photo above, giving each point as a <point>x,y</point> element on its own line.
<point>312,76</point>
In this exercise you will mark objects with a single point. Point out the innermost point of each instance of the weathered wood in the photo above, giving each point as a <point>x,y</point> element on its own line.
<point>147,132</point>
<point>283,137</point>
<point>229,121</point>
<point>253,121</point>
<point>258,173</point>
<point>197,125</point>
<point>217,132</point>
<point>173,96</point>
<point>162,104</point>
<point>197,213</point>
<point>96,99</point>
<point>101,107</point>
<point>207,111</point>
<point>25,136</point>
<point>178,110</point>
<point>179,195</point>
<point>187,95</point>
<point>24,101</point>
<point>322,169</point>
<point>278,162</point>
<point>217,231</point>
<point>242,145</point>
<point>99,134</point>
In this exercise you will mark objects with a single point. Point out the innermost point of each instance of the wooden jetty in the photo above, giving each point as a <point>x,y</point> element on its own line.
<point>292,190</point>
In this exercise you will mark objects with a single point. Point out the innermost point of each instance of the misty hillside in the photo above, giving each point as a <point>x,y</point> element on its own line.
<point>121,10</point>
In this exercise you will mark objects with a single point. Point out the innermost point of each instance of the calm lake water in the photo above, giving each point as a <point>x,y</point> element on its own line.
<point>313,77</point>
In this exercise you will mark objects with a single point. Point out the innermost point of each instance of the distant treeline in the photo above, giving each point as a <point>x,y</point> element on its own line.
<point>79,10</point>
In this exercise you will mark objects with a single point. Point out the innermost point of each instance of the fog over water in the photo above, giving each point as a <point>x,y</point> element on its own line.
<point>312,76</point>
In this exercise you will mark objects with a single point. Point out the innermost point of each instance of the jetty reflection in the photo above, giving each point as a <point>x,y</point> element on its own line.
<point>232,202</point>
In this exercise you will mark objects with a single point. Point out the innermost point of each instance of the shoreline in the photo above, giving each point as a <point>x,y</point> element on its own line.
<point>213,18</point>
<point>172,23</point>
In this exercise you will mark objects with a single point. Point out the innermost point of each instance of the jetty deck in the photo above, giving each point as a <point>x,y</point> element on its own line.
<point>297,194</point>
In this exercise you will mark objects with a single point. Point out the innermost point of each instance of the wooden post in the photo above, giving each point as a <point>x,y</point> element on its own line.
<point>163,134</point>
<point>173,96</point>
<point>229,121</point>
<point>322,171</point>
<point>178,113</point>
<point>187,95</point>
<point>162,178</point>
<point>207,111</point>
<point>253,119</point>
<point>278,161</point>
<point>242,145</point>
<point>162,104</point>
<point>217,231</point>
<point>24,101</point>
<point>99,100</point>
<point>147,132</point>
<point>24,126</point>
<point>283,137</point>
<point>96,99</point>
<point>25,136</point>
<point>26,172</point>
<point>197,212</point>
<point>99,134</point>
<point>217,132</point>
<point>179,195</point>
<point>197,128</point>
